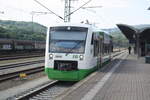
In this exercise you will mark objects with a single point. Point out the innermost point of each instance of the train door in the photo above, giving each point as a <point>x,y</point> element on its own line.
<point>100,51</point>
<point>97,49</point>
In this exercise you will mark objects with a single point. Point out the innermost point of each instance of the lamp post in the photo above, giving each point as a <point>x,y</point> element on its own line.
<point>137,43</point>
<point>138,46</point>
<point>37,13</point>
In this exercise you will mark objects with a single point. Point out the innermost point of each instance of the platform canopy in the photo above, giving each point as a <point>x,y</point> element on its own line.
<point>145,34</point>
<point>132,31</point>
<point>129,31</point>
<point>140,35</point>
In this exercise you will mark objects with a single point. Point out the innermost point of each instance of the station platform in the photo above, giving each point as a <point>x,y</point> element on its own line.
<point>127,79</point>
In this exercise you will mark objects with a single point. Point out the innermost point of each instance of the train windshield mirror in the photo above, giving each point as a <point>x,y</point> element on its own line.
<point>63,40</point>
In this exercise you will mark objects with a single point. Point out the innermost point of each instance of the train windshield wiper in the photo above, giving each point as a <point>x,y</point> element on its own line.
<point>73,47</point>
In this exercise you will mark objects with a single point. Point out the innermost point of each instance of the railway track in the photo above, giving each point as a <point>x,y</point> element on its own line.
<point>19,57</point>
<point>46,92</point>
<point>118,53</point>
<point>8,76</point>
<point>20,64</point>
<point>12,75</point>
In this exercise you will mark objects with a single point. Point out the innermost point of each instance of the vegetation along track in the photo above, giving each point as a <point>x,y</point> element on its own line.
<point>46,92</point>
<point>13,75</point>
<point>20,64</point>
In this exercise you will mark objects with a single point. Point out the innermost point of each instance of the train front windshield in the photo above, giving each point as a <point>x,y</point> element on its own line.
<point>67,39</point>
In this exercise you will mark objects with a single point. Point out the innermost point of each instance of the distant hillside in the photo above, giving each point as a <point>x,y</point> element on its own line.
<point>118,36</point>
<point>116,33</point>
<point>22,30</point>
<point>142,26</point>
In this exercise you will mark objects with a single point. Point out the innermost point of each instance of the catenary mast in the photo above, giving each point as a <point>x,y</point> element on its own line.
<point>67,10</point>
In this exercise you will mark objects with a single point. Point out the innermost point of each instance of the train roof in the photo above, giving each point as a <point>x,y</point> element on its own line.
<point>72,24</point>
<point>95,29</point>
<point>100,30</point>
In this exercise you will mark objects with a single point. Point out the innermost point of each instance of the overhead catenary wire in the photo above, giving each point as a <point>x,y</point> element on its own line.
<point>89,8</point>
<point>49,9</point>
<point>93,7</point>
<point>81,7</point>
<point>103,19</point>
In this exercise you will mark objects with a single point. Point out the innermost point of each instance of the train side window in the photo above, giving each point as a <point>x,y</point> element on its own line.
<point>96,48</point>
<point>92,40</point>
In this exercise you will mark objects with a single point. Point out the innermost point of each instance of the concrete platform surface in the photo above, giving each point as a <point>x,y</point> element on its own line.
<point>129,80</point>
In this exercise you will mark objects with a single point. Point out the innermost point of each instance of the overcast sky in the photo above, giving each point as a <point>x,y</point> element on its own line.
<point>132,12</point>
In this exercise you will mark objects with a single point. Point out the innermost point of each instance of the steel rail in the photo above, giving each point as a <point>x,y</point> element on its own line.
<point>37,91</point>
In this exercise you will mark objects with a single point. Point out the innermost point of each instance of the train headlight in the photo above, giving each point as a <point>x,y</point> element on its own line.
<point>81,57</point>
<point>51,56</point>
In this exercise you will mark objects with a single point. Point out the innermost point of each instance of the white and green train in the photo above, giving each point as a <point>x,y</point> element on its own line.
<point>73,51</point>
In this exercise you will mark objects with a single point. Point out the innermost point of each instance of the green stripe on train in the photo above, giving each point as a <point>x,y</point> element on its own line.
<point>71,75</point>
<point>68,75</point>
